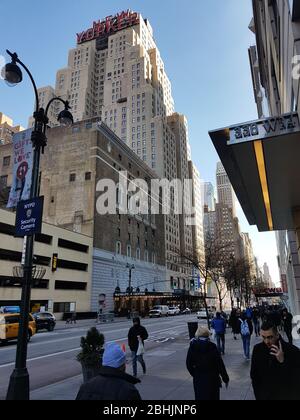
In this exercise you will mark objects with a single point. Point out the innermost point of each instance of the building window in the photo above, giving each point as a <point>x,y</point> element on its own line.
<point>128,251</point>
<point>138,254</point>
<point>3,181</point>
<point>146,256</point>
<point>88,176</point>
<point>118,248</point>
<point>153,258</point>
<point>6,161</point>
<point>72,177</point>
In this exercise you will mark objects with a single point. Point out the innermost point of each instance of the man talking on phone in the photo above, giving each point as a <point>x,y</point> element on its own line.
<point>275,369</point>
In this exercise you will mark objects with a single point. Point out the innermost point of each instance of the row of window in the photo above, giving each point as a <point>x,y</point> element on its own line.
<point>87,177</point>
<point>137,255</point>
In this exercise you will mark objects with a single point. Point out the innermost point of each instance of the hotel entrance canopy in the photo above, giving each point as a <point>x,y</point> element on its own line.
<point>262,161</point>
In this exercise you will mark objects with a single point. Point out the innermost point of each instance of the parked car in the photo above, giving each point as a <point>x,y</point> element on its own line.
<point>158,311</point>
<point>174,310</point>
<point>186,311</point>
<point>44,321</point>
<point>9,327</point>
<point>202,314</point>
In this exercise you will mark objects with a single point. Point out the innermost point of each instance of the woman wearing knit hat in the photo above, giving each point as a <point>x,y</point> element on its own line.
<point>206,367</point>
<point>112,383</point>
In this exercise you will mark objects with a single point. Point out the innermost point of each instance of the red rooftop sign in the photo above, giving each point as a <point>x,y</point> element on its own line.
<point>109,25</point>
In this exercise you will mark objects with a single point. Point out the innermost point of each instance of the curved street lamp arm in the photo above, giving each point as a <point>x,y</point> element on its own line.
<point>15,57</point>
<point>66,104</point>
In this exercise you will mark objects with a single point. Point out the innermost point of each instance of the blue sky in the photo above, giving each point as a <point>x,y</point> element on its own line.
<point>205,49</point>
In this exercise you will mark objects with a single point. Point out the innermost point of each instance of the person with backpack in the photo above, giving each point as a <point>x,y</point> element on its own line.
<point>246,328</point>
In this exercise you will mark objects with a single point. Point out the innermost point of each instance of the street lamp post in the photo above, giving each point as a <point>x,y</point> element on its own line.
<point>130,267</point>
<point>18,388</point>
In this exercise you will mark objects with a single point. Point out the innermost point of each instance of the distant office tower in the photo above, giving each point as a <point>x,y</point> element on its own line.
<point>208,196</point>
<point>197,227</point>
<point>225,190</point>
<point>7,129</point>
<point>267,276</point>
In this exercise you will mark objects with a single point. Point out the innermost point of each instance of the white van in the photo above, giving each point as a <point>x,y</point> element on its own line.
<point>158,311</point>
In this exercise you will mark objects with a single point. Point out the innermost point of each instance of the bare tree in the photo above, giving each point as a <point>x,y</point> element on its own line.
<point>208,268</point>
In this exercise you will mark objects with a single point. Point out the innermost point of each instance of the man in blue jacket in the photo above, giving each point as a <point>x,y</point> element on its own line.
<point>219,325</point>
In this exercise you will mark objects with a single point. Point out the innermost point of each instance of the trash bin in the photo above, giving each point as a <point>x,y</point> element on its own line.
<point>192,326</point>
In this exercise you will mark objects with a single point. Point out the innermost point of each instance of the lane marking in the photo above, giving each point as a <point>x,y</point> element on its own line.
<point>78,348</point>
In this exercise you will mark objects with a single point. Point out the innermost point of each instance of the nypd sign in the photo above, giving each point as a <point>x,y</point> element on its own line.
<point>29,217</point>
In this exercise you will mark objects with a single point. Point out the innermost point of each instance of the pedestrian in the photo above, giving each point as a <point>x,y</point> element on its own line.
<point>287,319</point>
<point>235,323</point>
<point>256,321</point>
<point>137,334</point>
<point>249,312</point>
<point>112,382</point>
<point>206,366</point>
<point>219,325</point>
<point>275,370</point>
<point>246,331</point>
<point>73,317</point>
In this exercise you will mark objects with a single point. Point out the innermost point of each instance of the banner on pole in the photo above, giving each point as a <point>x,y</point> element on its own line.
<point>22,169</point>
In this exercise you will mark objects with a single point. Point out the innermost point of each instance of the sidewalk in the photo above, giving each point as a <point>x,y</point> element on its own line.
<point>166,367</point>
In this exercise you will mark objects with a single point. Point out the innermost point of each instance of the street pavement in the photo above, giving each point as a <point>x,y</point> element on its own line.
<point>56,375</point>
<point>167,377</point>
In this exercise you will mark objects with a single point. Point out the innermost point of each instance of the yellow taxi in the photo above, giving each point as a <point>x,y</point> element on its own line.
<point>9,327</point>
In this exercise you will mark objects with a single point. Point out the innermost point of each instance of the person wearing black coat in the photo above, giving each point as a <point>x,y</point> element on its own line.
<point>206,366</point>
<point>234,322</point>
<point>136,334</point>
<point>275,370</point>
<point>287,319</point>
<point>112,383</point>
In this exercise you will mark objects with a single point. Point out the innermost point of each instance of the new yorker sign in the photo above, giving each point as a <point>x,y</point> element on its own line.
<point>261,129</point>
<point>108,26</point>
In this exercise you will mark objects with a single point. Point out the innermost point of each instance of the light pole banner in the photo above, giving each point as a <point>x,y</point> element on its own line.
<point>22,170</point>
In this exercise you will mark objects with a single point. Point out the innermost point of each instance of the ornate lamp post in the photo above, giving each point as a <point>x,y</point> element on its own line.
<point>19,381</point>
<point>130,267</point>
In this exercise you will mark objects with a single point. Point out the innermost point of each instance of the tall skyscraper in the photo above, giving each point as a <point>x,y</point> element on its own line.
<point>208,196</point>
<point>267,276</point>
<point>224,188</point>
<point>197,227</point>
<point>115,73</point>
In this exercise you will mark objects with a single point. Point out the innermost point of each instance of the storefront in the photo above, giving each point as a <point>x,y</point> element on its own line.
<point>142,302</point>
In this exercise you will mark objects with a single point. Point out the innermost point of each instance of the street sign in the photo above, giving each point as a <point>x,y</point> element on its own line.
<point>29,217</point>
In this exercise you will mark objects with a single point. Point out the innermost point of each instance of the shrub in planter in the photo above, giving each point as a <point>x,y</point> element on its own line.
<point>91,353</point>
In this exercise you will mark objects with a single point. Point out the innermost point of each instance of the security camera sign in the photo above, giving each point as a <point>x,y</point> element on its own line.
<point>29,217</point>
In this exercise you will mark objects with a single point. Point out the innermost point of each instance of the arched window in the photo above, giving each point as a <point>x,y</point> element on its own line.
<point>118,248</point>
<point>128,251</point>
<point>138,254</point>
<point>146,256</point>
<point>153,257</point>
